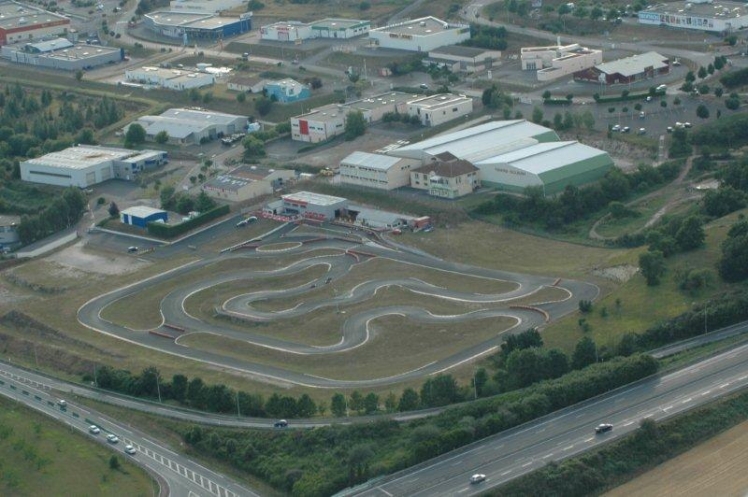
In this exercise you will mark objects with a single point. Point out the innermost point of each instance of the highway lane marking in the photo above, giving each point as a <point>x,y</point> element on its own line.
<point>589,439</point>
<point>462,491</point>
<point>385,492</point>
<point>666,408</point>
<point>547,456</point>
<point>629,423</point>
<point>568,448</point>
<point>707,392</point>
<point>456,463</point>
<point>742,378</point>
<point>527,464</point>
<point>687,400</point>
<point>724,385</point>
<point>541,431</point>
<point>506,472</point>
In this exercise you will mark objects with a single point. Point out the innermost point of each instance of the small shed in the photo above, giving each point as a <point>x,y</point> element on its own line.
<point>141,215</point>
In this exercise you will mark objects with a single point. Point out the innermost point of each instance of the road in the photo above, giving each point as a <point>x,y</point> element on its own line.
<point>177,475</point>
<point>355,331</point>
<point>568,432</point>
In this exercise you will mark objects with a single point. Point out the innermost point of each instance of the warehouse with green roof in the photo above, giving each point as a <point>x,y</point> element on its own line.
<point>551,166</point>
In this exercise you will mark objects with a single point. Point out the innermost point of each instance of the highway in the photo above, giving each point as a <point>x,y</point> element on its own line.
<point>567,432</point>
<point>177,475</point>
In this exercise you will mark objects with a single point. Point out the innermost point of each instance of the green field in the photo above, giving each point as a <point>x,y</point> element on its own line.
<point>39,456</point>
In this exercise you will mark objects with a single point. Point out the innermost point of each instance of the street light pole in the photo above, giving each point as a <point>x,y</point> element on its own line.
<point>158,389</point>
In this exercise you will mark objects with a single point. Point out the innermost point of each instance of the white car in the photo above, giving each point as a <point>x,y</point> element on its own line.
<point>112,438</point>
<point>130,450</point>
<point>642,131</point>
<point>477,478</point>
<point>616,128</point>
<point>93,429</point>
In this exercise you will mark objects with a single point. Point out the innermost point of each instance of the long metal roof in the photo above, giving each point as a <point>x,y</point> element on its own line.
<point>479,142</point>
<point>372,161</point>
<point>543,157</point>
<point>636,64</point>
<point>85,156</point>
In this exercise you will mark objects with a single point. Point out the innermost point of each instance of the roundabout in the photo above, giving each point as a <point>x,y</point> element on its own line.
<point>324,311</point>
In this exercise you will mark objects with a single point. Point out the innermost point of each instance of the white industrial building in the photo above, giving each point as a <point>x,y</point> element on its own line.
<point>213,6</point>
<point>328,121</point>
<point>460,59</point>
<point>87,165</point>
<point>440,108</point>
<point>61,53</point>
<point>420,35</point>
<point>701,15</point>
<point>511,155</point>
<point>309,205</point>
<point>21,22</point>
<point>555,61</point>
<point>331,28</point>
<point>190,126</point>
<point>376,171</point>
<point>172,79</point>
<point>247,84</point>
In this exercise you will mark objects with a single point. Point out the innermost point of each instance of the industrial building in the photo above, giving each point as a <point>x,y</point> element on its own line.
<point>440,108</point>
<point>325,122</point>
<point>376,170</point>
<point>141,215</point>
<point>446,176</point>
<point>87,165</point>
<point>702,15</point>
<point>551,166</point>
<point>479,142</point>
<point>627,70</point>
<point>309,205</point>
<point>213,6</point>
<point>247,84</point>
<point>248,182</point>
<point>60,53</point>
<point>509,155</point>
<point>191,126</point>
<point>195,27</point>
<point>555,61</point>
<point>9,237</point>
<point>287,91</point>
<point>24,23</point>
<point>295,31</point>
<point>420,35</point>
<point>463,59</point>
<point>171,79</point>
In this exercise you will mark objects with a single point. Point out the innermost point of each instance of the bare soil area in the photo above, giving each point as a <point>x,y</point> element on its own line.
<point>78,258</point>
<point>713,468</point>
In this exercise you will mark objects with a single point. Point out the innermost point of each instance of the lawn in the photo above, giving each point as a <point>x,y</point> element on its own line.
<point>39,456</point>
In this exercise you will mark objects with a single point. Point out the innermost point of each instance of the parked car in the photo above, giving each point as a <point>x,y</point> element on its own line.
<point>477,478</point>
<point>132,250</point>
<point>94,430</point>
<point>625,129</point>
<point>687,125</point>
<point>669,129</point>
<point>642,115</point>
<point>281,423</point>
<point>603,428</point>
<point>616,128</point>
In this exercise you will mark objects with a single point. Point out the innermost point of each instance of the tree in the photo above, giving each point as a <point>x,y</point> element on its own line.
<point>537,115</point>
<point>702,73</point>
<point>733,102</point>
<point>409,400</point>
<point>441,390</point>
<point>710,69</point>
<point>179,387</point>
<point>355,125</point>
<point>113,210</point>
<point>563,9</point>
<point>253,148</point>
<point>690,77</point>
<point>114,463</point>
<point>718,91</point>
<point>338,405</point>
<point>263,106</point>
<point>135,135</point>
<point>702,111</point>
<point>546,94</point>
<point>652,265</point>
<point>161,137</point>
<point>371,403</point>
<point>241,97</point>
<point>734,263</point>
<point>203,202</point>
<point>596,13</point>
<point>691,235</point>
<point>703,89</point>
<point>585,353</point>
<point>719,63</point>
<point>78,75</point>
<point>305,407</point>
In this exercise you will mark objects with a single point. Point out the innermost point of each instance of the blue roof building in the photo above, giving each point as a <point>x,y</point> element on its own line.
<point>287,90</point>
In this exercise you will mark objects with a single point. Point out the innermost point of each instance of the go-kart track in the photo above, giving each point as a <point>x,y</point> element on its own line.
<point>337,255</point>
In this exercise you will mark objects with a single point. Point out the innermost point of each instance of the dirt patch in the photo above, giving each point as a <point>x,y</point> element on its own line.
<point>619,274</point>
<point>77,260</point>
<point>713,468</point>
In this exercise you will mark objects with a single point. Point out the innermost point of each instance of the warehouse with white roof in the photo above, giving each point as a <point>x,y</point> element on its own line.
<point>420,35</point>
<point>376,170</point>
<point>191,126</point>
<point>86,165</point>
<point>512,155</point>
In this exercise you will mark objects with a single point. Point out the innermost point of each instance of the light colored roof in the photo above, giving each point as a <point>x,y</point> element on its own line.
<point>16,15</point>
<point>372,161</point>
<point>338,24</point>
<point>85,156</point>
<point>181,123</point>
<point>204,116</point>
<point>636,64</point>
<point>459,51</point>
<point>479,142</point>
<point>141,211</point>
<point>439,100</point>
<point>50,45</point>
<point>544,157</point>
<point>424,26</point>
<point>722,10</point>
<point>176,18</point>
<point>381,100</point>
<point>312,198</point>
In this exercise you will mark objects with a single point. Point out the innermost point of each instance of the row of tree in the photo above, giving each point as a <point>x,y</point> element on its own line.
<point>63,212</point>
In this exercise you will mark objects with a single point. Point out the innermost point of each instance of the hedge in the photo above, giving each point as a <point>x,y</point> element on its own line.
<point>171,230</point>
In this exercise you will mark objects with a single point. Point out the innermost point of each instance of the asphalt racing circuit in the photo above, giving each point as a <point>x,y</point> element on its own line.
<point>338,253</point>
